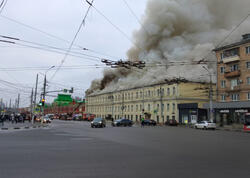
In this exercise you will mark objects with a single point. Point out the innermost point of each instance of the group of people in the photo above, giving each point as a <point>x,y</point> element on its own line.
<point>14,118</point>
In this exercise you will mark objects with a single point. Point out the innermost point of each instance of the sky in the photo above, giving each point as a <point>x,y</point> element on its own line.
<point>21,62</point>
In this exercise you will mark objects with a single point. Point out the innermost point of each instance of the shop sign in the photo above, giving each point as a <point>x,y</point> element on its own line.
<point>224,111</point>
<point>193,112</point>
<point>241,111</point>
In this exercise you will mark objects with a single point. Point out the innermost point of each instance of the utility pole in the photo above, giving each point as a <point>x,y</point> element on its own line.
<point>36,89</point>
<point>161,101</point>
<point>211,116</point>
<point>10,104</point>
<point>31,106</point>
<point>211,98</point>
<point>18,101</point>
<point>44,93</point>
<point>122,103</point>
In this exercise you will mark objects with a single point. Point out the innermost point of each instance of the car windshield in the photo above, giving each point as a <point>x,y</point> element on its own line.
<point>98,119</point>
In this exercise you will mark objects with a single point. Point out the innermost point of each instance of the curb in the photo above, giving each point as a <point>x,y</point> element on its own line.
<point>24,127</point>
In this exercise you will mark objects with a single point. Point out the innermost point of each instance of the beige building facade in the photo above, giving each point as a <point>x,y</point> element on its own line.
<point>158,102</point>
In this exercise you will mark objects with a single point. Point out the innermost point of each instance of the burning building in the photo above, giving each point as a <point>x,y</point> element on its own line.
<point>175,41</point>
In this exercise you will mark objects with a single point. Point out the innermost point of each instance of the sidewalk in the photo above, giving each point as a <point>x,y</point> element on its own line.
<point>16,126</point>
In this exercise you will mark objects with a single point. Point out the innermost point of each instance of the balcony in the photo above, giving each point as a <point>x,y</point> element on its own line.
<point>229,74</point>
<point>231,59</point>
<point>234,89</point>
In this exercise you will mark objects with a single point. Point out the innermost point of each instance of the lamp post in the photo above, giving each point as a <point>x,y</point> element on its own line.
<point>211,118</point>
<point>44,87</point>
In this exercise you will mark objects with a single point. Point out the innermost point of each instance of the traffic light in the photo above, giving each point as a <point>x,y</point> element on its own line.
<point>43,101</point>
<point>71,90</point>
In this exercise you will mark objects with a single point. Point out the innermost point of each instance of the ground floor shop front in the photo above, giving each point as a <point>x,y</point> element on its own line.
<point>230,113</point>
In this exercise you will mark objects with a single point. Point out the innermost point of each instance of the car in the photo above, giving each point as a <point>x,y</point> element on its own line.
<point>98,122</point>
<point>149,122</point>
<point>122,122</point>
<point>171,122</point>
<point>205,125</point>
<point>46,119</point>
<point>77,117</point>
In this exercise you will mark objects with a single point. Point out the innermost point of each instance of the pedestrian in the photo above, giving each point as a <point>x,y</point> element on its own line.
<point>2,120</point>
<point>12,117</point>
<point>142,122</point>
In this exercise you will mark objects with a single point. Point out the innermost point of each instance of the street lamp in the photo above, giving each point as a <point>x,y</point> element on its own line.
<point>210,95</point>
<point>44,86</point>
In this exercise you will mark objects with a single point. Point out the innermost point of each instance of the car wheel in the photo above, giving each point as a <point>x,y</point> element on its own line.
<point>196,127</point>
<point>205,128</point>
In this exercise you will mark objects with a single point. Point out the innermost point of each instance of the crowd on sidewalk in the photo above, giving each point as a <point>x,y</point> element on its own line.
<point>14,118</point>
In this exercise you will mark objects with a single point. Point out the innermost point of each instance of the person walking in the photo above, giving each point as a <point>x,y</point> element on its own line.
<point>142,122</point>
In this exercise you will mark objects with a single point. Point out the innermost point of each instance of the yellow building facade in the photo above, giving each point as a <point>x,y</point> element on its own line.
<point>159,102</point>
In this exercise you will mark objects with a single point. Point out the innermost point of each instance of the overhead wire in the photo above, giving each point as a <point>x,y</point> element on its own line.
<point>115,26</point>
<point>79,47</point>
<point>71,44</point>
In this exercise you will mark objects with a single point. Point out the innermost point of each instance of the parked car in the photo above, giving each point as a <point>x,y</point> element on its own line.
<point>171,122</point>
<point>122,122</point>
<point>98,122</point>
<point>149,122</point>
<point>205,125</point>
<point>46,119</point>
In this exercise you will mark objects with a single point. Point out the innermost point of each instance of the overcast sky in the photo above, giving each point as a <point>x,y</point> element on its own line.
<point>62,19</point>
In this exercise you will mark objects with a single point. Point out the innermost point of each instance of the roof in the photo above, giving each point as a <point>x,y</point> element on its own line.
<point>169,82</point>
<point>232,45</point>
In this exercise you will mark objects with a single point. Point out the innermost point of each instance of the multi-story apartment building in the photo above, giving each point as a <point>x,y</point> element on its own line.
<point>233,81</point>
<point>180,101</point>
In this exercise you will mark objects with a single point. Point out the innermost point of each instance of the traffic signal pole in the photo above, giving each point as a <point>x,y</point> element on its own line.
<point>44,94</point>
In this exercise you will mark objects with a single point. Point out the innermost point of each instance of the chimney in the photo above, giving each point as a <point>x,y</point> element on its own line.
<point>246,36</point>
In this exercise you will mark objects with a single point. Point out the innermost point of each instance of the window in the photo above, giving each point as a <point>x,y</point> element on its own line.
<point>234,67</point>
<point>235,97</point>
<point>248,80</point>
<point>248,96</point>
<point>162,92</point>
<point>148,93</point>
<point>234,83</point>
<point>158,106</point>
<point>230,53</point>
<point>248,65</point>
<point>136,107</point>
<point>223,83</point>
<point>167,107</point>
<point>248,50</point>
<point>168,91</point>
<point>158,92</point>
<point>148,107</point>
<point>221,56</point>
<point>222,70</point>
<point>162,107</point>
<point>136,95</point>
<point>173,107</point>
<point>132,108</point>
<point>173,90</point>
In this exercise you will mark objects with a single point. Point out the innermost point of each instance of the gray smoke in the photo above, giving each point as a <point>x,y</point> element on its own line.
<point>177,31</point>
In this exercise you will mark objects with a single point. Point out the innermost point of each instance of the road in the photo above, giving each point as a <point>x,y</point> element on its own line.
<point>74,150</point>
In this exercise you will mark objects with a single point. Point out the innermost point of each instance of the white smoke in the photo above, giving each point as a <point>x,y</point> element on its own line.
<point>175,31</point>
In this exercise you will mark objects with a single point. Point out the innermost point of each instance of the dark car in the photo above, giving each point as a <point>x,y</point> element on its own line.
<point>149,122</point>
<point>122,122</point>
<point>98,122</point>
<point>171,122</point>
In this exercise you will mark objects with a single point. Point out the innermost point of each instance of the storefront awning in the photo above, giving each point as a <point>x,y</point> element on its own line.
<point>229,105</point>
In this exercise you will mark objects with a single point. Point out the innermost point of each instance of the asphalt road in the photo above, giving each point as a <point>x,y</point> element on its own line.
<point>73,149</point>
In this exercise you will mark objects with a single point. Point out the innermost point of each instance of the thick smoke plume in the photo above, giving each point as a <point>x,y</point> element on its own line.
<point>173,32</point>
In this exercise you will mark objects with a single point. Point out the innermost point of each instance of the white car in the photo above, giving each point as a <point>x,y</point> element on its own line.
<point>205,125</point>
